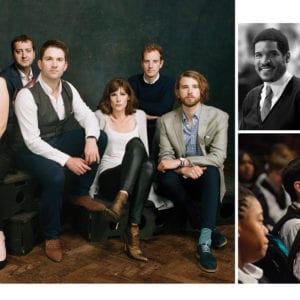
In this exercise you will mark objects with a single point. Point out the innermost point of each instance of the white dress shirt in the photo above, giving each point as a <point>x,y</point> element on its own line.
<point>277,88</point>
<point>250,273</point>
<point>26,112</point>
<point>146,81</point>
<point>24,78</point>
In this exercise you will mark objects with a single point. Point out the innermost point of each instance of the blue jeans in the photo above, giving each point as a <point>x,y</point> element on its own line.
<point>195,198</point>
<point>51,175</point>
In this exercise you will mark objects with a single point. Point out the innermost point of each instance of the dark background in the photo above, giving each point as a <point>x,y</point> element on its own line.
<point>105,38</point>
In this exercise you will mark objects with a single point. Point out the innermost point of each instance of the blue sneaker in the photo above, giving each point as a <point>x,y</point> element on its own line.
<point>218,240</point>
<point>207,261</point>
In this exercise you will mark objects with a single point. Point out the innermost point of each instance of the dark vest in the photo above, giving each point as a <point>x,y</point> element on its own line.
<point>48,121</point>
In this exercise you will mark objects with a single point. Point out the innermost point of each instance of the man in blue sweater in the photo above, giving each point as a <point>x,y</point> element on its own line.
<point>154,91</point>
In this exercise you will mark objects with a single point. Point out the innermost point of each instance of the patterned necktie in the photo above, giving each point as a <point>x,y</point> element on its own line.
<point>267,103</point>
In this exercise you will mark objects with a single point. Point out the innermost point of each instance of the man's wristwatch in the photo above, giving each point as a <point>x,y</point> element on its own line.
<point>182,161</point>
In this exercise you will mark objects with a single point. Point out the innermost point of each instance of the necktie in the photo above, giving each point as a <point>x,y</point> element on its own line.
<point>267,103</point>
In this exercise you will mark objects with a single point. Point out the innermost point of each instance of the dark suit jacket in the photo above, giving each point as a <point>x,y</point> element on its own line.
<point>14,82</point>
<point>285,114</point>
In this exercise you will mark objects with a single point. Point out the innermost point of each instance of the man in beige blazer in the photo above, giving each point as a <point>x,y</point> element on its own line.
<point>193,146</point>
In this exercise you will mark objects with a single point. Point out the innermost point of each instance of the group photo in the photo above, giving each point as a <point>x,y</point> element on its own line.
<point>150,147</point>
<point>117,142</point>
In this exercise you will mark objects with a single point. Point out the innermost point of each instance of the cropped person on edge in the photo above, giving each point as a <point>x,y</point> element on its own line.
<point>154,91</point>
<point>252,237</point>
<point>125,173</point>
<point>288,232</point>
<point>4,106</point>
<point>44,112</point>
<point>193,145</point>
<point>274,105</point>
<point>17,75</point>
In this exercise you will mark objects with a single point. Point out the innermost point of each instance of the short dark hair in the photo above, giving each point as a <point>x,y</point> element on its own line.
<point>55,44</point>
<point>21,38</point>
<point>113,85</point>
<point>290,174</point>
<point>203,84</point>
<point>272,34</point>
<point>244,200</point>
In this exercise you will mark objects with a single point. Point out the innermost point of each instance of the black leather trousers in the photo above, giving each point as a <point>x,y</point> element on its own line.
<point>134,175</point>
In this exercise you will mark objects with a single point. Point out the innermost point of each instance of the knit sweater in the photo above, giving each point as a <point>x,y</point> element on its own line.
<point>154,99</point>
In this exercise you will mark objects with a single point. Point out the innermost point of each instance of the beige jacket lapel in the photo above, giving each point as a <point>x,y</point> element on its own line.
<point>202,128</point>
<point>178,131</point>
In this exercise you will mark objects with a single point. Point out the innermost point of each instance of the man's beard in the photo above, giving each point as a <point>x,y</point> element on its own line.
<point>190,104</point>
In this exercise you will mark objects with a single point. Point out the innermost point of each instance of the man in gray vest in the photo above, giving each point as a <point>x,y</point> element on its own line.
<point>48,145</point>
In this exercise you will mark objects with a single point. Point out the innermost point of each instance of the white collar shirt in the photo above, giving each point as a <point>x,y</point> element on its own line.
<point>250,273</point>
<point>146,81</point>
<point>26,112</point>
<point>24,78</point>
<point>57,103</point>
<point>277,88</point>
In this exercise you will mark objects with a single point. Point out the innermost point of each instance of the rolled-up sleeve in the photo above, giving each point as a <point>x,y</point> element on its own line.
<point>26,112</point>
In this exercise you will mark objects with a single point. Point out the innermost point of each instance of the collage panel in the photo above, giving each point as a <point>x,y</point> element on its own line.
<point>268,76</point>
<point>268,208</point>
<point>268,153</point>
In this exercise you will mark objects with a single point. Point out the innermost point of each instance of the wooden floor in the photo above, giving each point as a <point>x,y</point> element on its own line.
<point>171,260</point>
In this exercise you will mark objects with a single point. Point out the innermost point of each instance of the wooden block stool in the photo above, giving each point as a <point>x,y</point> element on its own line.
<point>18,194</point>
<point>94,227</point>
<point>22,232</point>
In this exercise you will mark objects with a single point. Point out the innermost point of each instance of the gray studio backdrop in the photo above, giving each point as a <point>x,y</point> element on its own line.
<point>105,38</point>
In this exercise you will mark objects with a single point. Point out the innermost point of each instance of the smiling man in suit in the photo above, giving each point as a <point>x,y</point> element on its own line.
<point>274,105</point>
<point>193,146</point>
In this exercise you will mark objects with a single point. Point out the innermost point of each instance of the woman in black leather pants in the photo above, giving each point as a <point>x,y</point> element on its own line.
<point>125,173</point>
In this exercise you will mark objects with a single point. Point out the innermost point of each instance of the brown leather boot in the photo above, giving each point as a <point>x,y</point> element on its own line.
<point>116,210</point>
<point>53,250</point>
<point>89,203</point>
<point>132,243</point>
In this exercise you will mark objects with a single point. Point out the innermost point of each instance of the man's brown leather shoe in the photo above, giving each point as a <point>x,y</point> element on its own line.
<point>53,250</point>
<point>89,203</point>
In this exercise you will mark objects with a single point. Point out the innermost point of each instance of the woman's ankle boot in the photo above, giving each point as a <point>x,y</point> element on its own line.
<point>132,247</point>
<point>117,208</point>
